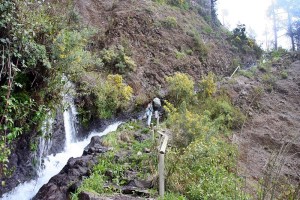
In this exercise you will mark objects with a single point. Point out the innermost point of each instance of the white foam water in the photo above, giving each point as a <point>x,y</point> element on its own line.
<point>53,165</point>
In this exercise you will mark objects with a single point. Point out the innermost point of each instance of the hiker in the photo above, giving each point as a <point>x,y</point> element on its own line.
<point>149,111</point>
<point>156,106</point>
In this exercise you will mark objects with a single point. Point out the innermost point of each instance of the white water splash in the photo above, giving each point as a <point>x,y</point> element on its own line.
<point>70,113</point>
<point>45,141</point>
<point>53,165</point>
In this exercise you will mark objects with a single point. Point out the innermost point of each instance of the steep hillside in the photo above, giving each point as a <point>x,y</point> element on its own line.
<point>269,140</point>
<point>118,54</point>
<point>161,39</point>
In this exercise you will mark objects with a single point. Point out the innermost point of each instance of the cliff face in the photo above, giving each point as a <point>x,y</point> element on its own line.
<point>161,39</point>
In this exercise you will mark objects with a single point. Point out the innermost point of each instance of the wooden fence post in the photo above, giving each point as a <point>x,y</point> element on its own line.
<point>234,71</point>
<point>157,121</point>
<point>152,130</point>
<point>161,167</point>
<point>161,163</point>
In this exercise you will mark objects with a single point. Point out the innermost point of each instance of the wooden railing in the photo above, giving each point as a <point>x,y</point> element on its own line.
<point>162,146</point>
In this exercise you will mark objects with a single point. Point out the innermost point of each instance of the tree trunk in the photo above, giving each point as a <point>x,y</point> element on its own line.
<point>290,30</point>
<point>274,27</point>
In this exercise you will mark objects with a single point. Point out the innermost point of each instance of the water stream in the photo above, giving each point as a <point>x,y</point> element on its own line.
<point>53,164</point>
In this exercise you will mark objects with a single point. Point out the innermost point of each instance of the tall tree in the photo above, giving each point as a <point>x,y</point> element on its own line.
<point>272,12</point>
<point>292,9</point>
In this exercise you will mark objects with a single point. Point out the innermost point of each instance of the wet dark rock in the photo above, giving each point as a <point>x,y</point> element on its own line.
<point>89,196</point>
<point>135,190</point>
<point>74,187</point>
<point>69,178</point>
<point>130,175</point>
<point>95,146</point>
<point>21,165</point>
<point>140,137</point>
<point>141,184</point>
<point>109,174</point>
<point>58,136</point>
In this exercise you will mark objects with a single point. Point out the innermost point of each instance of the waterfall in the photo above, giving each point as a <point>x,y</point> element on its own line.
<point>70,119</point>
<point>45,140</point>
<point>53,164</point>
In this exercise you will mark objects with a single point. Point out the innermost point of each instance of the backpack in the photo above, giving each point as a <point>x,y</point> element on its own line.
<point>156,102</point>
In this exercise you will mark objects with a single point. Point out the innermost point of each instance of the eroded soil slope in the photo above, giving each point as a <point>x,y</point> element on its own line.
<point>272,128</point>
<point>160,39</point>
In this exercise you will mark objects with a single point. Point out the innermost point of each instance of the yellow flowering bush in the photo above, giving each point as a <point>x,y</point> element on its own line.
<point>208,85</point>
<point>113,95</point>
<point>181,88</point>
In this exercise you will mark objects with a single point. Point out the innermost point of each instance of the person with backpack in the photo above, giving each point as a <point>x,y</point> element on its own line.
<point>156,106</point>
<point>149,111</point>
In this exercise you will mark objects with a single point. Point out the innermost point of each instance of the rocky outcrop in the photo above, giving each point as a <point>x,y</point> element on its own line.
<point>71,175</point>
<point>58,136</point>
<point>69,179</point>
<point>23,162</point>
<point>92,196</point>
<point>20,164</point>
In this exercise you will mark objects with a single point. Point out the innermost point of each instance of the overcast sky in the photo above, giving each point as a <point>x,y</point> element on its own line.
<point>252,13</point>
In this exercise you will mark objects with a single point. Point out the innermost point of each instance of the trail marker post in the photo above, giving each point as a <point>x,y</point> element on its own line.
<point>234,71</point>
<point>161,162</point>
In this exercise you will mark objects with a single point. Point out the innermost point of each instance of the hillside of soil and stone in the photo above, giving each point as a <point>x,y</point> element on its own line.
<point>119,55</point>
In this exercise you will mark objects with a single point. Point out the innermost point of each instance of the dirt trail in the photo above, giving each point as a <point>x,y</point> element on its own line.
<point>276,122</point>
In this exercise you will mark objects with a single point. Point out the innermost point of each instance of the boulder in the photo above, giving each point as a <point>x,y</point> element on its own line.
<point>68,180</point>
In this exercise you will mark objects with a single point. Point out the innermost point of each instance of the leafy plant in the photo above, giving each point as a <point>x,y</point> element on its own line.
<point>208,85</point>
<point>180,55</point>
<point>109,174</point>
<point>69,51</point>
<point>269,81</point>
<point>284,74</point>
<point>178,3</point>
<point>181,87</point>
<point>170,22</point>
<point>200,46</point>
<point>117,60</point>
<point>112,96</point>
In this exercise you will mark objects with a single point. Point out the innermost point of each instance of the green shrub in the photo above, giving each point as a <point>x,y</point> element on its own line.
<point>178,3</point>
<point>203,170</point>
<point>256,95</point>
<point>208,85</point>
<point>172,196</point>
<point>117,60</point>
<point>189,52</point>
<point>264,66</point>
<point>199,47</point>
<point>284,74</point>
<point>201,163</point>
<point>269,81</point>
<point>247,73</point>
<point>180,55</point>
<point>112,96</point>
<point>170,22</point>
<point>69,51</point>
<point>225,115</point>
<point>240,40</point>
<point>207,29</point>
<point>278,53</point>
<point>181,88</point>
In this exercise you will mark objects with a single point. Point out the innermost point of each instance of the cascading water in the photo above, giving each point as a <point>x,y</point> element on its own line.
<point>44,140</point>
<point>53,164</point>
<point>69,114</point>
